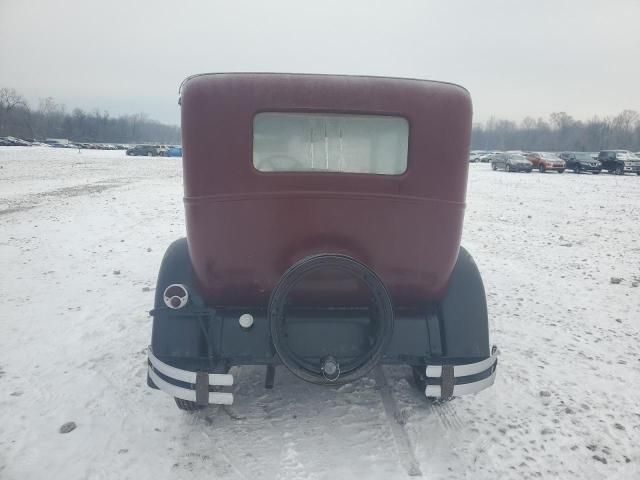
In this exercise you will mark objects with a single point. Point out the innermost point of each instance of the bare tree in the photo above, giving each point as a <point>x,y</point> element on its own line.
<point>561,132</point>
<point>10,100</point>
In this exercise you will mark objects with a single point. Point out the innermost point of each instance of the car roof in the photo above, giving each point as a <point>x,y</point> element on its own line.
<point>217,131</point>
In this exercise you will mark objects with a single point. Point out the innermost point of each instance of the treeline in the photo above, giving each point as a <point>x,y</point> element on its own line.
<point>51,120</point>
<point>560,132</point>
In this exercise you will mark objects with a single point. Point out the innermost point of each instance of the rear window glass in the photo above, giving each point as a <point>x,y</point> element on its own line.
<point>314,142</point>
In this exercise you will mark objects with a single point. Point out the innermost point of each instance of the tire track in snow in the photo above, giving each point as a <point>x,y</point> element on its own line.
<point>403,442</point>
<point>447,416</point>
<point>33,200</point>
<point>290,467</point>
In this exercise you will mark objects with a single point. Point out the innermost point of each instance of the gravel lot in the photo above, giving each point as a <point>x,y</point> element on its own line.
<point>82,238</point>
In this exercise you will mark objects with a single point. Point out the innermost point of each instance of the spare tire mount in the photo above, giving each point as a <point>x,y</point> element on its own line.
<point>381,311</point>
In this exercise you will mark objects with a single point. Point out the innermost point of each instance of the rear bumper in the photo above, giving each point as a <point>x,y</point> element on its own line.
<point>587,168</point>
<point>196,387</point>
<point>446,381</point>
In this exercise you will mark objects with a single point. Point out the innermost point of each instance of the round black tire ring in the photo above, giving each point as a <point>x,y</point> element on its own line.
<point>381,303</point>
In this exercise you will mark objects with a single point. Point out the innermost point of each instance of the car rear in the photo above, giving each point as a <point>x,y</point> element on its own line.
<point>518,163</point>
<point>324,216</point>
<point>551,162</point>
<point>631,163</point>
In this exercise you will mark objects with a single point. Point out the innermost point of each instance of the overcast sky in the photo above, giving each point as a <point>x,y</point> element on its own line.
<point>517,58</point>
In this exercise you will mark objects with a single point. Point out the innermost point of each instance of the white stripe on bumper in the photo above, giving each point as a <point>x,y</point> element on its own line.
<point>462,389</point>
<point>463,370</point>
<point>186,394</point>
<point>455,373</point>
<point>218,379</point>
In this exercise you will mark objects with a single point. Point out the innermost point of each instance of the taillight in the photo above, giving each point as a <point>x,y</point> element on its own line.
<point>176,296</point>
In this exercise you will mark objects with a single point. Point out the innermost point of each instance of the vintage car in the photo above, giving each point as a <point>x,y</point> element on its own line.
<point>323,217</point>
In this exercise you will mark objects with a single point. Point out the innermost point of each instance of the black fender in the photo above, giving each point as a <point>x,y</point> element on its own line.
<point>179,336</point>
<point>463,316</point>
<point>176,267</point>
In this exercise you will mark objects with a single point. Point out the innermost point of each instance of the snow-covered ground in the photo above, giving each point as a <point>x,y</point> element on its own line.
<point>82,236</point>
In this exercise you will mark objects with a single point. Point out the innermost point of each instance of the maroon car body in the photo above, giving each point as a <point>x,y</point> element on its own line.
<point>246,227</point>
<point>324,215</point>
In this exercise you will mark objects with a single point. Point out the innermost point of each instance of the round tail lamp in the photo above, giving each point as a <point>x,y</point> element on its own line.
<point>176,296</point>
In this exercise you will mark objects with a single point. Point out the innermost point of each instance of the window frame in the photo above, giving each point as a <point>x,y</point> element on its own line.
<point>310,111</point>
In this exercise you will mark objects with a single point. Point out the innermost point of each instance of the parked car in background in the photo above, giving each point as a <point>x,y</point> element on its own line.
<point>487,156</point>
<point>56,142</point>
<point>511,162</point>
<point>174,151</point>
<point>478,155</point>
<point>545,161</point>
<point>147,151</point>
<point>582,162</point>
<point>619,161</point>
<point>13,142</point>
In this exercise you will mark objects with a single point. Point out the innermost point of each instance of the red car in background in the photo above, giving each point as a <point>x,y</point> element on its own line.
<point>544,161</point>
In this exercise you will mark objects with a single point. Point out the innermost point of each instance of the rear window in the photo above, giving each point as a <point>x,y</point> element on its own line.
<point>315,142</point>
